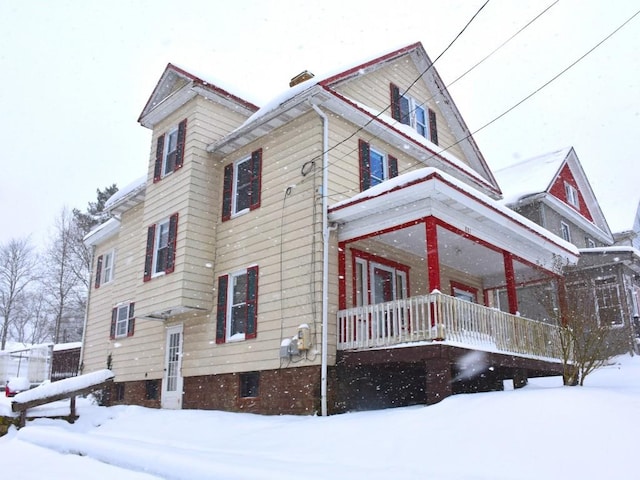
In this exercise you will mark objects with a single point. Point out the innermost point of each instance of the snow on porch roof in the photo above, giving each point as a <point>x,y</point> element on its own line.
<point>530,176</point>
<point>378,198</point>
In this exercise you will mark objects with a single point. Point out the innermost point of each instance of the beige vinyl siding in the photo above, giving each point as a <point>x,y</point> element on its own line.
<point>131,356</point>
<point>373,90</point>
<point>279,234</point>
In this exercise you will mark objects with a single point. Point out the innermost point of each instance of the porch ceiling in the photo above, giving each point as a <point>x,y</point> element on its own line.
<point>392,212</point>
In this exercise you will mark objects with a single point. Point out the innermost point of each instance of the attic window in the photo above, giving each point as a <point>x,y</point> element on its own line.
<point>301,77</point>
<point>572,195</point>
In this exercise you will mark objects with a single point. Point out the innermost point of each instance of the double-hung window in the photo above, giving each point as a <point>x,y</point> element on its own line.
<point>161,248</point>
<point>237,306</point>
<point>170,151</point>
<point>104,269</point>
<point>122,320</point>
<point>608,302</point>
<point>409,111</point>
<point>375,166</point>
<point>565,231</point>
<point>242,185</point>
<point>572,195</point>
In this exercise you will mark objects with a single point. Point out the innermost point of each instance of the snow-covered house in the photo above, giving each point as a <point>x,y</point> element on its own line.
<point>342,247</point>
<point>553,191</point>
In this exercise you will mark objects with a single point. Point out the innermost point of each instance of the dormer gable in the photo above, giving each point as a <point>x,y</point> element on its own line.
<point>558,179</point>
<point>176,87</point>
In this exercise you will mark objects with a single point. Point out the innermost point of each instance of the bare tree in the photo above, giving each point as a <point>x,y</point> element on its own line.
<point>61,280</point>
<point>17,271</point>
<point>32,322</point>
<point>586,343</point>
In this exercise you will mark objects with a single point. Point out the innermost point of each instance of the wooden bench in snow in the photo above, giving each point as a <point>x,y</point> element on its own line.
<point>67,388</point>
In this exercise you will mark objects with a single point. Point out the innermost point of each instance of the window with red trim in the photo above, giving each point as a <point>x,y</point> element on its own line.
<point>464,292</point>
<point>242,185</point>
<point>161,248</point>
<point>237,313</point>
<point>409,111</point>
<point>122,320</point>
<point>170,151</point>
<point>375,166</point>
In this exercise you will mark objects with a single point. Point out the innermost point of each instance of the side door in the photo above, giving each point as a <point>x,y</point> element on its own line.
<point>172,380</point>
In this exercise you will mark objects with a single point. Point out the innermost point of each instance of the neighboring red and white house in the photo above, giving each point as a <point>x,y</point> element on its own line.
<point>553,190</point>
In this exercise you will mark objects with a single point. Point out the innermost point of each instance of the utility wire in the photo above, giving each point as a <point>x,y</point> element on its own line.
<point>458,78</point>
<point>359,129</point>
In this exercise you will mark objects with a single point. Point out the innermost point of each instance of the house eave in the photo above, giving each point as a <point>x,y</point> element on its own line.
<point>102,232</point>
<point>170,313</point>
<point>440,195</point>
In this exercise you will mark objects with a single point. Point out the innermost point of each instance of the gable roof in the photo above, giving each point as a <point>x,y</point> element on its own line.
<point>297,100</point>
<point>177,86</point>
<point>540,177</point>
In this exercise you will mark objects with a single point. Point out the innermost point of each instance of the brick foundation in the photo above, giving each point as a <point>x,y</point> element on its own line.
<point>294,391</point>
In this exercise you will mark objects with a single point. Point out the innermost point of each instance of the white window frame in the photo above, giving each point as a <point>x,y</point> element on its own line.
<point>590,242</point>
<point>603,298</point>
<point>122,324</point>
<point>565,231</point>
<point>107,267</point>
<point>398,284</point>
<point>572,195</point>
<point>361,277</point>
<point>236,187</point>
<point>414,123</point>
<point>385,166</point>
<point>157,246</point>
<point>233,277</point>
<point>170,135</point>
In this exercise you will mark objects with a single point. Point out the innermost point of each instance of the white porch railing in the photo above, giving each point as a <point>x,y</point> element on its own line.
<point>441,317</point>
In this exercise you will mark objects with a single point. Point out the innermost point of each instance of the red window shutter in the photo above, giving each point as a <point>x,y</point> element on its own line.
<point>227,192</point>
<point>157,169</point>
<point>433,127</point>
<point>252,302</point>
<point>182,133</point>
<point>131,326</point>
<point>393,166</point>
<point>395,102</point>
<point>365,165</point>
<point>256,179</point>
<point>173,237</point>
<point>114,319</point>
<point>221,315</point>
<point>148,258</point>
<point>98,272</point>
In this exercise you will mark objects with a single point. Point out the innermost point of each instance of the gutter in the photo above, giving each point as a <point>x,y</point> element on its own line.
<point>325,258</point>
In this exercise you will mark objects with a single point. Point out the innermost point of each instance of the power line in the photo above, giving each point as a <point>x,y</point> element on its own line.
<point>359,129</point>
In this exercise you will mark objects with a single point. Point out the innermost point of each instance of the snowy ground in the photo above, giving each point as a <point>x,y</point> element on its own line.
<point>544,431</point>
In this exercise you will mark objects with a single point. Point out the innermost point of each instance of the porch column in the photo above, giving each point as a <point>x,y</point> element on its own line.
<point>433,262</point>
<point>342,275</point>
<point>510,275</point>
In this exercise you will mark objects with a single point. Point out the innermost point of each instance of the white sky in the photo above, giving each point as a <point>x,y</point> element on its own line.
<point>76,75</point>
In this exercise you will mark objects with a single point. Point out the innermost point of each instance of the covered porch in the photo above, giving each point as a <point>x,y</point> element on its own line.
<point>426,261</point>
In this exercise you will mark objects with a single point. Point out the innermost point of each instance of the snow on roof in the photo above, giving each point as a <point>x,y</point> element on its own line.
<point>411,177</point>
<point>530,176</point>
<point>66,346</point>
<point>64,386</point>
<point>127,191</point>
<point>307,84</point>
<point>614,249</point>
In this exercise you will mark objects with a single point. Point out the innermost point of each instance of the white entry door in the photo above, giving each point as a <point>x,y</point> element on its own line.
<point>172,381</point>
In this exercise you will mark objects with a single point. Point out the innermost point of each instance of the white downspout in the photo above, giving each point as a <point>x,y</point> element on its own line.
<point>325,259</point>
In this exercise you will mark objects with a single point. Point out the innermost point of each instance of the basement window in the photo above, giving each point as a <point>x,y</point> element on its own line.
<point>249,384</point>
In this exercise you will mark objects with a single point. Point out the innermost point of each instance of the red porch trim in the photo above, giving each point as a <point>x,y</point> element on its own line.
<point>342,275</point>
<point>433,260</point>
<point>510,275</point>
